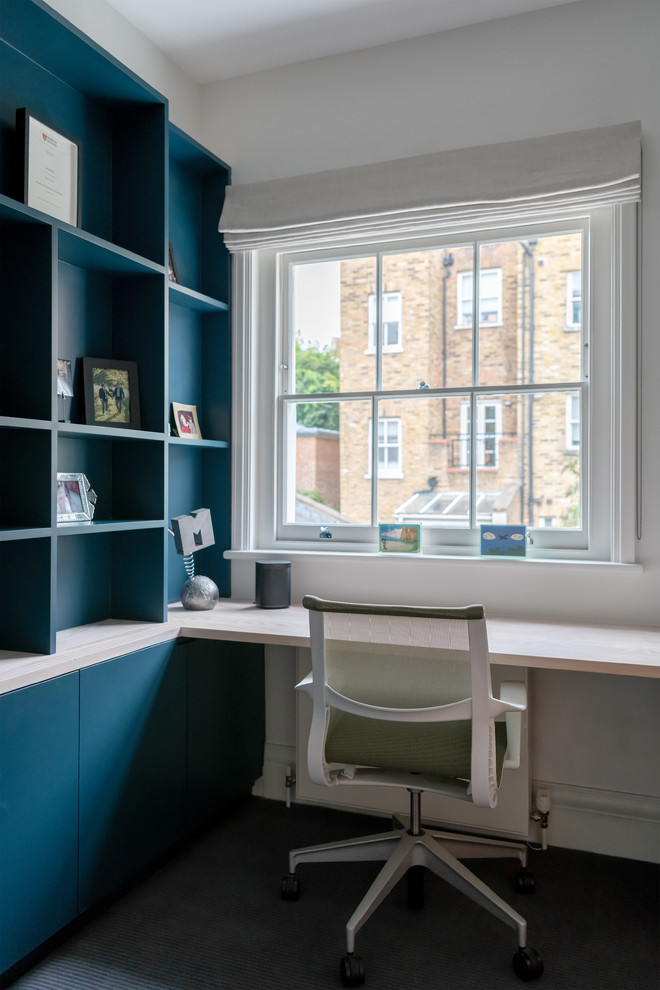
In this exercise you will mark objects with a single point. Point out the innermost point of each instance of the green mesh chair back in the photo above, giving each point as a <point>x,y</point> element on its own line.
<point>402,693</point>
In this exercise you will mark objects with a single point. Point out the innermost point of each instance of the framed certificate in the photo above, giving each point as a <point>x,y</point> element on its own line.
<point>51,171</point>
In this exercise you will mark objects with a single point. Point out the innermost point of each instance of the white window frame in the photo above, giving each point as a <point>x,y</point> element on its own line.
<point>464,319</point>
<point>571,279</point>
<point>392,306</point>
<point>608,443</point>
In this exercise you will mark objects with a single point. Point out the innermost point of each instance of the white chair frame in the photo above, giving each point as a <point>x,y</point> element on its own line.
<point>410,845</point>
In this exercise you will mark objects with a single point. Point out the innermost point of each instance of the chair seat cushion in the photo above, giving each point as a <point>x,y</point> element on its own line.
<point>440,748</point>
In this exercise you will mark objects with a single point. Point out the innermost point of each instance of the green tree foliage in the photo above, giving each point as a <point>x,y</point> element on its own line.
<point>317,371</point>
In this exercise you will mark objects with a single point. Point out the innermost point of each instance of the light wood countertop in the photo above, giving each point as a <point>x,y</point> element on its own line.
<point>623,650</point>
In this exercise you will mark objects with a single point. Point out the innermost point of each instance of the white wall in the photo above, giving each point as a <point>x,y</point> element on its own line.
<point>581,65</point>
<point>584,64</point>
<point>104,25</point>
<point>595,738</point>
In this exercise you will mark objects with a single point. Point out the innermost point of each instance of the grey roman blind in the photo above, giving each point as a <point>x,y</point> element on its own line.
<point>493,183</point>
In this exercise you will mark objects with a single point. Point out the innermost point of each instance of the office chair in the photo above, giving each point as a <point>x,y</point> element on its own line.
<point>402,697</point>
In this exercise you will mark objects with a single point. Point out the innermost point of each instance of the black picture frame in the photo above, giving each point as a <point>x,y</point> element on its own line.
<point>116,410</point>
<point>51,167</point>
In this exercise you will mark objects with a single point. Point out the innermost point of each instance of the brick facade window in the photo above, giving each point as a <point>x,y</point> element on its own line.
<point>573,300</point>
<point>490,297</point>
<point>389,448</point>
<point>391,321</point>
<point>489,433</point>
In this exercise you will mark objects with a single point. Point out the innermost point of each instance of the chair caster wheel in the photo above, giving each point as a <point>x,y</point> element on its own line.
<point>290,887</point>
<point>527,964</point>
<point>525,882</point>
<point>351,969</point>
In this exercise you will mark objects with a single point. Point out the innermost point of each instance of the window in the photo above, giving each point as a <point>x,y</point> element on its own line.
<point>391,303</point>
<point>389,448</point>
<point>572,422</point>
<point>479,244</point>
<point>490,297</point>
<point>489,430</point>
<point>574,300</point>
<point>461,426</point>
<point>520,384</point>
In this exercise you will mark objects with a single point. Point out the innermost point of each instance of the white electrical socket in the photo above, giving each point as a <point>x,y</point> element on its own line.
<point>543,800</point>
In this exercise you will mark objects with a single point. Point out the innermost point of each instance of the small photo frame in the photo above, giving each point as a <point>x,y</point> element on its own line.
<point>398,538</point>
<point>186,423</point>
<point>172,274</point>
<point>51,168</point>
<point>503,541</point>
<point>111,393</point>
<point>64,377</point>
<point>75,498</point>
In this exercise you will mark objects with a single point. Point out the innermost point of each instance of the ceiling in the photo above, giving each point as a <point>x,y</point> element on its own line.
<point>218,39</point>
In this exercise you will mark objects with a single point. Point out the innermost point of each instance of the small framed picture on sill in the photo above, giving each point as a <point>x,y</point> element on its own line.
<point>503,541</point>
<point>399,538</point>
<point>186,423</point>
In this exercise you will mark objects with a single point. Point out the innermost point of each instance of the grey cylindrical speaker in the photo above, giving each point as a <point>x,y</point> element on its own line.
<point>272,583</point>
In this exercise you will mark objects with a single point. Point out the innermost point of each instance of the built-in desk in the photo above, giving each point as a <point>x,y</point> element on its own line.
<point>606,811</point>
<point>625,650</point>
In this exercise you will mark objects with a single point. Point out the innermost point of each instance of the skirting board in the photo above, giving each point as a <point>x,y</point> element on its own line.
<point>272,784</point>
<point>606,822</point>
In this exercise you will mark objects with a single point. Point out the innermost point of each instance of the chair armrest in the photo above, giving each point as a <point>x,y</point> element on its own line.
<point>306,684</point>
<point>513,692</point>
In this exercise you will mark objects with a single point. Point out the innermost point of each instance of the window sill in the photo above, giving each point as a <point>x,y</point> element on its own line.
<point>474,559</point>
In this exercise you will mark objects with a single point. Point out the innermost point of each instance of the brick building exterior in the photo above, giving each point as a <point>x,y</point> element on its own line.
<point>317,464</point>
<point>527,445</point>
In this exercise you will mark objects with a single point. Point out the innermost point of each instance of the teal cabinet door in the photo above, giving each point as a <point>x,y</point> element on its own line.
<point>38,814</point>
<point>132,765</point>
<point>226,719</point>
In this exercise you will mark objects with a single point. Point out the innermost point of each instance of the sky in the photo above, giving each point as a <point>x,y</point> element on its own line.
<point>317,302</point>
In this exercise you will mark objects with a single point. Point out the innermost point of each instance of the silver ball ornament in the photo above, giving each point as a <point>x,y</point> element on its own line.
<point>199,593</point>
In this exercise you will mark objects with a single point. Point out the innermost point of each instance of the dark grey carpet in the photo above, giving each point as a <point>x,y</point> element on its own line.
<point>212,918</point>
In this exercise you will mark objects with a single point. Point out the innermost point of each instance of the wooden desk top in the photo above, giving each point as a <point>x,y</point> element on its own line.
<point>625,650</point>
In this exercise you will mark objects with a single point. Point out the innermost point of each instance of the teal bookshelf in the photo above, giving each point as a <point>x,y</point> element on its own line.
<point>102,289</point>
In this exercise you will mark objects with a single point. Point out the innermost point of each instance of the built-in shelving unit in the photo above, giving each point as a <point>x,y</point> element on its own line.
<point>199,348</point>
<point>102,289</point>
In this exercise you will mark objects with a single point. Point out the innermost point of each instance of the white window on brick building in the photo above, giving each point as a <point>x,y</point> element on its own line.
<point>572,422</point>
<point>489,431</point>
<point>490,297</point>
<point>389,448</point>
<point>391,321</point>
<point>573,300</point>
